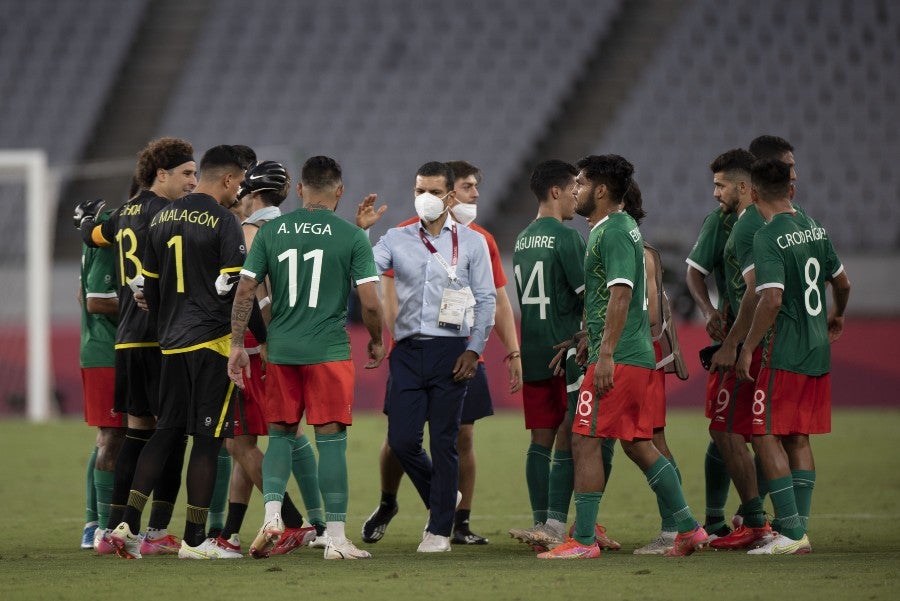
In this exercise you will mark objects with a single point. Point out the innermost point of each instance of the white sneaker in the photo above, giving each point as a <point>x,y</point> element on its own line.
<point>343,548</point>
<point>544,535</point>
<point>126,544</point>
<point>208,549</point>
<point>659,545</point>
<point>782,545</point>
<point>434,543</point>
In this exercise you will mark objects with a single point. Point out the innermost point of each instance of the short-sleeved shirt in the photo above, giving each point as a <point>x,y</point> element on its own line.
<point>615,255</point>
<point>311,257</point>
<point>191,243</point>
<point>98,280</point>
<point>738,255</point>
<point>126,231</point>
<point>793,252</point>
<point>548,263</point>
<point>707,254</point>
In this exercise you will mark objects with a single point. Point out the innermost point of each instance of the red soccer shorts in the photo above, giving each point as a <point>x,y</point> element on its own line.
<point>545,403</point>
<point>323,391</point>
<point>712,387</point>
<point>787,403</point>
<point>99,386</point>
<point>622,413</point>
<point>250,414</point>
<point>733,401</point>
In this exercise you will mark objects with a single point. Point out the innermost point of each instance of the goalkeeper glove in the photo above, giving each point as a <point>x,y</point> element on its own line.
<point>87,210</point>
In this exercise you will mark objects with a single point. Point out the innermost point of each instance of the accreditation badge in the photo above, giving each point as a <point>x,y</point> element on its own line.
<point>453,309</point>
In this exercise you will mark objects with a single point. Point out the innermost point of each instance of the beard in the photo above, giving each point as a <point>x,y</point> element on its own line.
<point>587,208</point>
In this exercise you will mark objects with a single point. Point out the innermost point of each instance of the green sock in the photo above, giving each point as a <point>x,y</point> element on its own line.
<point>276,465</point>
<point>667,520</point>
<point>562,481</point>
<point>537,478</point>
<point>607,450</point>
<point>804,482</point>
<point>587,505</point>
<point>305,468</point>
<point>753,513</point>
<point>219,502</point>
<point>90,511</point>
<point>781,491</point>
<point>717,483</point>
<point>333,474</point>
<point>762,484</point>
<point>664,481</point>
<point>103,487</point>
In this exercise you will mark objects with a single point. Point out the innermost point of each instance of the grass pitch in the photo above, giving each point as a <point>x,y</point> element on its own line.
<point>854,529</point>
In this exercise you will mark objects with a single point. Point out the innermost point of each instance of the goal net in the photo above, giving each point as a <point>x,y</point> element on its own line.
<point>28,208</point>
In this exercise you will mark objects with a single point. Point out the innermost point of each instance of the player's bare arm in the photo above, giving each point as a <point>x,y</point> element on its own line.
<point>763,319</point>
<point>506,330</point>
<point>616,314</point>
<point>840,294</point>
<point>715,321</point>
<point>726,356</point>
<point>238,361</point>
<point>372,318</point>
<point>102,306</point>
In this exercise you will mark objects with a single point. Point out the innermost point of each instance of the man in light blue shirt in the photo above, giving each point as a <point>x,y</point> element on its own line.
<point>446,300</point>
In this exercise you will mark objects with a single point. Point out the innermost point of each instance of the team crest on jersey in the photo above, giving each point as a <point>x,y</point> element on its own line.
<point>207,421</point>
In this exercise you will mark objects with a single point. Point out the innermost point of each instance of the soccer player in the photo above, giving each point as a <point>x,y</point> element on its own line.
<point>264,188</point>
<point>707,258</point>
<point>620,351</point>
<point>191,243</point>
<point>165,171</point>
<point>310,256</point>
<point>794,260</point>
<point>732,400</point>
<point>668,360</point>
<point>548,264</point>
<point>99,317</point>
<point>446,299</point>
<point>478,403</point>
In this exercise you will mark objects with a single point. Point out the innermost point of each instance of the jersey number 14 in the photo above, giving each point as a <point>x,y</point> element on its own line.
<point>535,280</point>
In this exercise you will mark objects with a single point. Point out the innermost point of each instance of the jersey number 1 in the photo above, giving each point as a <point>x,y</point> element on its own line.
<point>291,257</point>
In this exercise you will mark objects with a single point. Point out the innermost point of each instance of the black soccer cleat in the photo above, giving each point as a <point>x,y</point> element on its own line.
<point>374,527</point>
<point>464,536</point>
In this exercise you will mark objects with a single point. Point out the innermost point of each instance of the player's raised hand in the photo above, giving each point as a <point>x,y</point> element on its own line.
<point>366,213</point>
<point>87,210</point>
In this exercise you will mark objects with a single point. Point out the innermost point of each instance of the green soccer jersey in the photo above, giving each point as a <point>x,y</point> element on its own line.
<point>793,252</point>
<point>548,264</point>
<point>615,255</point>
<point>98,280</point>
<point>707,254</point>
<point>738,255</point>
<point>311,257</point>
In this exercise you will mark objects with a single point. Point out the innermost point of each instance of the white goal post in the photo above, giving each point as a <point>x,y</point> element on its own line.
<point>31,167</point>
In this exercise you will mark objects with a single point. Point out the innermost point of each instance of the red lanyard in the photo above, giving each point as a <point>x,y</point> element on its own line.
<point>451,268</point>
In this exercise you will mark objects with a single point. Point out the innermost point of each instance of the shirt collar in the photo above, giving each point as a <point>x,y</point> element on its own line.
<point>265,213</point>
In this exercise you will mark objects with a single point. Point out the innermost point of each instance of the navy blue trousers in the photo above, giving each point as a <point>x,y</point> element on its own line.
<point>422,390</point>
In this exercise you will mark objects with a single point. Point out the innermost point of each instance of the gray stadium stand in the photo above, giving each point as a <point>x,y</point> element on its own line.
<point>824,75</point>
<point>386,86</point>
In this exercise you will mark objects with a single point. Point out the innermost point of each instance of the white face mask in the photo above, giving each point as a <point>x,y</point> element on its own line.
<point>429,207</point>
<point>465,213</point>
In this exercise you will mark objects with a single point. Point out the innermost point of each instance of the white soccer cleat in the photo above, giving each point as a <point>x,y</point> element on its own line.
<point>344,549</point>
<point>208,549</point>
<point>434,543</point>
<point>126,544</point>
<point>660,545</point>
<point>782,545</point>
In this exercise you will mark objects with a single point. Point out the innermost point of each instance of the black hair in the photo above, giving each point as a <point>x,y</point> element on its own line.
<point>771,178</point>
<point>548,174</point>
<point>434,168</point>
<point>770,147</point>
<point>611,170</point>
<point>320,172</point>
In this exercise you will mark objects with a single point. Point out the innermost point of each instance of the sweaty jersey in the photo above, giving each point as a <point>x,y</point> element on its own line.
<point>738,255</point>
<point>615,255</point>
<point>549,269</point>
<point>191,243</point>
<point>793,252</point>
<point>126,231</point>
<point>98,280</point>
<point>310,256</point>
<point>706,255</point>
